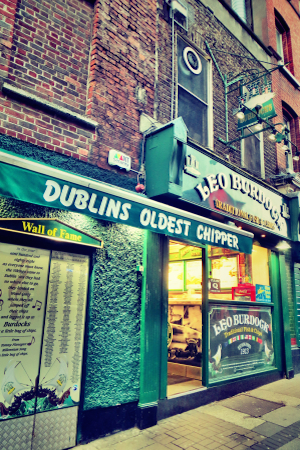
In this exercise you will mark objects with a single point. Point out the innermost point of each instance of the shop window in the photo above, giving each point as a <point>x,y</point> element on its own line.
<point>252,149</point>
<point>193,91</point>
<point>228,269</point>
<point>283,41</point>
<point>240,332</point>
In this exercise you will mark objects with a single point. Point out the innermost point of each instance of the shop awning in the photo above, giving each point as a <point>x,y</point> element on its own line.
<point>43,185</point>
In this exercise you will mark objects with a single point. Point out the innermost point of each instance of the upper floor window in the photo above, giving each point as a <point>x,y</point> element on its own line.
<point>283,41</point>
<point>291,122</point>
<point>253,152</point>
<point>243,8</point>
<point>193,92</point>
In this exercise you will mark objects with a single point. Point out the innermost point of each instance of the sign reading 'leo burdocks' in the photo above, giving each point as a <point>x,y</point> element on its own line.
<point>240,340</point>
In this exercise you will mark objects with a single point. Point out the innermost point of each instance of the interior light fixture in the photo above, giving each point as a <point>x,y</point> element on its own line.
<point>282,245</point>
<point>263,235</point>
<point>259,125</point>
<point>285,145</point>
<point>272,136</point>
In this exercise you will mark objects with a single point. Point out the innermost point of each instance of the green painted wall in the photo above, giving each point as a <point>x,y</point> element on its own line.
<point>114,339</point>
<point>112,356</point>
<point>116,177</point>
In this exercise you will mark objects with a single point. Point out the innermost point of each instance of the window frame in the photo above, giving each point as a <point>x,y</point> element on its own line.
<point>283,33</point>
<point>259,137</point>
<point>289,116</point>
<point>209,90</point>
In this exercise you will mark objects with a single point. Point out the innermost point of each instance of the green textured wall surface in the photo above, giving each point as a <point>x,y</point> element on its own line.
<point>114,339</point>
<point>116,177</point>
<point>113,344</point>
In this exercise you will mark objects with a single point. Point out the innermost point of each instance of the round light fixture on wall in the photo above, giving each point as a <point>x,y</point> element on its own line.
<point>192,60</point>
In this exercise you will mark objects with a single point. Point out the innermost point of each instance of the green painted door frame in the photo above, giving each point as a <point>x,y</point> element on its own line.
<point>288,364</point>
<point>153,367</point>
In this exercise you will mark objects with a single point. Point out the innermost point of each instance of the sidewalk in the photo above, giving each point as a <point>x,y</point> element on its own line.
<point>266,418</point>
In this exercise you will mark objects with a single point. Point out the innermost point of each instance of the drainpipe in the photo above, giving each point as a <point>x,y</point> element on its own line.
<point>173,71</point>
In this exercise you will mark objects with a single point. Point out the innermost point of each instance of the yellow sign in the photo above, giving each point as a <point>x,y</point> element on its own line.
<point>243,214</point>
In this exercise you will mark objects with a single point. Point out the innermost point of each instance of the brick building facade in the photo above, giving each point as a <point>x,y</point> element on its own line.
<point>79,78</point>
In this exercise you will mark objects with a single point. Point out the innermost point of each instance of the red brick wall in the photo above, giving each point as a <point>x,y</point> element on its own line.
<point>7,20</point>
<point>50,55</point>
<point>88,57</point>
<point>122,59</point>
<point>205,27</point>
<point>284,89</point>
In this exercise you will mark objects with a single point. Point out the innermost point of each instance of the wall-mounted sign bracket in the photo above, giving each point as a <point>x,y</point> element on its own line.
<point>242,80</point>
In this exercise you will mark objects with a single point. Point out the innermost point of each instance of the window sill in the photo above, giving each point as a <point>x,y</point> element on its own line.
<point>290,77</point>
<point>13,91</point>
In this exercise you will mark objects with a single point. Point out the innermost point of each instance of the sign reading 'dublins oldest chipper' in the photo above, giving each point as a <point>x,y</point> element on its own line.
<point>40,189</point>
<point>215,186</point>
<point>240,340</point>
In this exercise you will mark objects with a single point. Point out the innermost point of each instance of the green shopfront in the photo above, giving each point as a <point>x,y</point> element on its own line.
<point>226,309</point>
<point>113,303</point>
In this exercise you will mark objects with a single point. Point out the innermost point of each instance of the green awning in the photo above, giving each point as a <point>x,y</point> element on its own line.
<point>37,183</point>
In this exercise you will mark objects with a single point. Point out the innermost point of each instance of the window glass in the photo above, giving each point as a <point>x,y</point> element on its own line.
<point>288,152</point>
<point>240,341</point>
<point>279,43</point>
<point>194,114</point>
<point>252,158</point>
<point>237,276</point>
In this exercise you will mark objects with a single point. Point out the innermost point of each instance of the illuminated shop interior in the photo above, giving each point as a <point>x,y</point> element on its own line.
<point>228,270</point>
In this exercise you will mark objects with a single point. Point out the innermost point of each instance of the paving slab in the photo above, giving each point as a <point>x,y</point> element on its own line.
<point>234,417</point>
<point>292,445</point>
<point>285,416</point>
<point>266,394</point>
<point>252,406</point>
<point>268,429</point>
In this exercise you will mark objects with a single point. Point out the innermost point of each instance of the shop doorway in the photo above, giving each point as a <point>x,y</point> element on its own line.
<point>185,295</point>
<point>42,320</point>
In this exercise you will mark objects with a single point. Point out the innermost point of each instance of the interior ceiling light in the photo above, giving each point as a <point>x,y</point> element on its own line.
<point>263,235</point>
<point>282,245</point>
<point>272,136</point>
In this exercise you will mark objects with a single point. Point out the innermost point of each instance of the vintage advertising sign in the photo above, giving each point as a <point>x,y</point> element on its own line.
<point>263,293</point>
<point>266,112</point>
<point>61,361</point>
<point>23,283</point>
<point>240,341</point>
<point>40,189</point>
<point>221,189</point>
<point>31,318</point>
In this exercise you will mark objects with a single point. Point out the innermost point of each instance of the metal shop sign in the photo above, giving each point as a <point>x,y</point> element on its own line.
<point>40,189</point>
<point>267,111</point>
<point>216,187</point>
<point>240,340</point>
<point>255,93</point>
